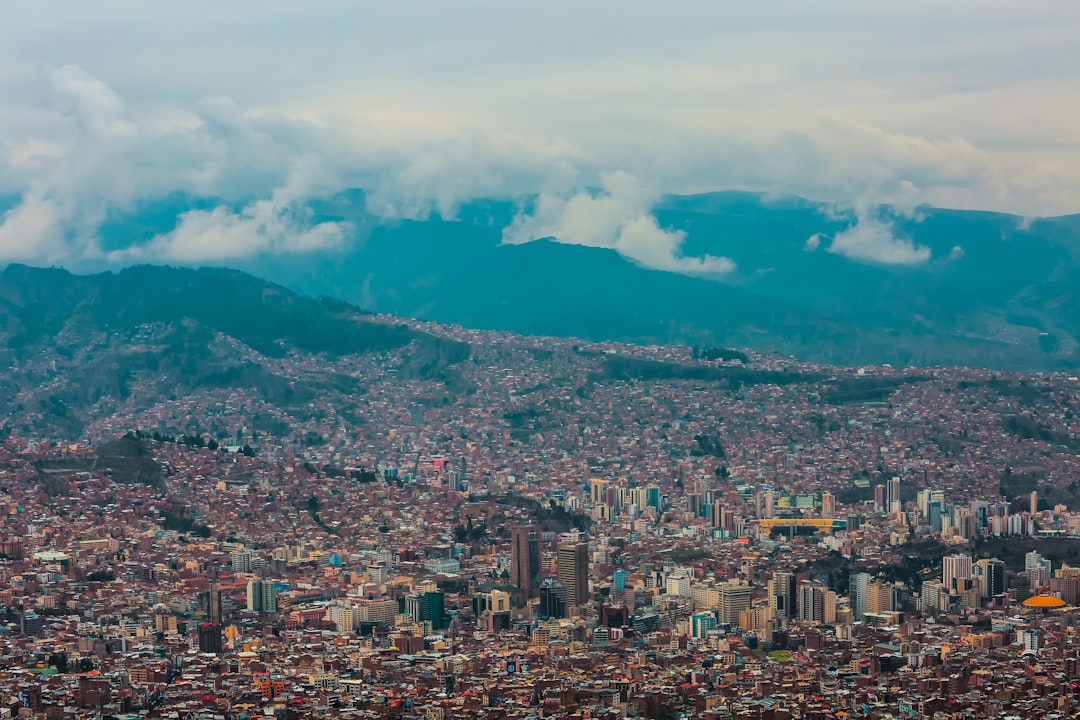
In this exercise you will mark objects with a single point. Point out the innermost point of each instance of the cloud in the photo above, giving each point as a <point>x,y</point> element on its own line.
<point>813,242</point>
<point>277,225</point>
<point>618,218</point>
<point>264,226</point>
<point>93,102</point>
<point>427,107</point>
<point>957,253</point>
<point>32,231</point>
<point>873,239</point>
<point>114,160</point>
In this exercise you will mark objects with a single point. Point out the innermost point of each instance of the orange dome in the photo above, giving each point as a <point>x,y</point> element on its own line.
<point>1044,601</point>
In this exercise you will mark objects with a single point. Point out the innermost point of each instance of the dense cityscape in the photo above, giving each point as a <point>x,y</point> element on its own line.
<point>580,530</point>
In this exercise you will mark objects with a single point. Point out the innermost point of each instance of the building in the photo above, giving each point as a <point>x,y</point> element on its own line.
<point>552,600</point>
<point>954,568</point>
<point>991,576</point>
<point>879,598</point>
<point>525,561</point>
<point>573,571</point>
<point>212,599</point>
<point>210,638</point>
<point>261,596</point>
<point>828,505</point>
<point>701,624</point>
<point>782,596</point>
<point>433,609</point>
<point>732,600</point>
<point>811,602</point>
<point>857,585</point>
<point>241,560</point>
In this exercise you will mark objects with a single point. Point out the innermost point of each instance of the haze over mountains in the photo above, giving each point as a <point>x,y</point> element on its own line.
<point>855,286</point>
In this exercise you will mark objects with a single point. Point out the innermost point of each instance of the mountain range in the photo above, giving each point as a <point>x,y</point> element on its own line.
<point>988,289</point>
<point>73,347</point>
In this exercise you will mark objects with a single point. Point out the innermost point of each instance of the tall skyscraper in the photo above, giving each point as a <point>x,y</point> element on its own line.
<point>261,596</point>
<point>433,609</point>
<point>525,561</point>
<point>552,599</point>
<point>213,603</point>
<point>953,568</point>
<point>811,602</point>
<point>893,495</point>
<point>991,574</point>
<point>573,571</point>
<point>857,585</point>
<point>879,597</point>
<point>782,596</point>
<point>733,599</point>
<point>598,490</point>
<point>828,505</point>
<point>879,498</point>
<point>210,638</point>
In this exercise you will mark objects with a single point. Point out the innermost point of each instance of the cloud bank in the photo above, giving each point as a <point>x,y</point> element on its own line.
<point>617,218</point>
<point>427,106</point>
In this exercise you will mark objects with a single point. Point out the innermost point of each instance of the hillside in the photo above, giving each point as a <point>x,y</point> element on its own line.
<point>994,290</point>
<point>997,290</point>
<point>147,333</point>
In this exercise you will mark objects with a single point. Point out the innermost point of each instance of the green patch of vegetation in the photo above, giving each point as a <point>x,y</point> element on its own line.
<point>1013,549</point>
<point>620,367</point>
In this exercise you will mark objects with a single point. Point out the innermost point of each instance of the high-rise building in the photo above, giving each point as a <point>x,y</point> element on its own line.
<point>879,597</point>
<point>653,498</point>
<point>782,596</point>
<point>934,516</point>
<point>811,602</point>
<point>733,599</point>
<point>677,584</point>
<point>241,560</point>
<point>879,498</point>
<point>213,603</point>
<point>701,624</point>
<point>857,585</point>
<point>525,561</point>
<point>1034,504</point>
<point>261,596</point>
<point>552,600</point>
<point>618,579</point>
<point>953,568</point>
<point>598,491</point>
<point>210,638</point>
<point>828,505</point>
<point>573,571</point>
<point>964,522</point>
<point>991,576</point>
<point>893,495</point>
<point>433,609</point>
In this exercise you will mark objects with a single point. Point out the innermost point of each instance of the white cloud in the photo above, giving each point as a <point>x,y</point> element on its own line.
<point>93,102</point>
<point>32,231</point>
<point>956,253</point>
<point>813,242</point>
<point>264,226</point>
<point>618,218</point>
<point>277,225</point>
<point>873,239</point>
<point>427,106</point>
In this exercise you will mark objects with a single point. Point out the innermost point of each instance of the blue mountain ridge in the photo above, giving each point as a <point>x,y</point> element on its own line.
<point>1007,300</point>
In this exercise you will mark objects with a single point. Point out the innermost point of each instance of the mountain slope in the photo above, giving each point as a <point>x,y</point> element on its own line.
<point>167,331</point>
<point>997,290</point>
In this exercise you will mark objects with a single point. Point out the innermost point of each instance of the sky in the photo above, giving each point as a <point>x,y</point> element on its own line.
<point>594,109</point>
